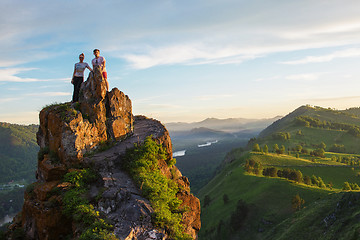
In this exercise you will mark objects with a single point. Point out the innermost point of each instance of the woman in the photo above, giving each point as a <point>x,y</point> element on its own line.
<point>78,76</point>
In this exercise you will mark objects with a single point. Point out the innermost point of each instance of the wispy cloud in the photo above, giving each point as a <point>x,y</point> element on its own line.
<point>304,77</point>
<point>213,97</point>
<point>49,94</point>
<point>352,52</point>
<point>335,99</point>
<point>5,100</point>
<point>9,75</point>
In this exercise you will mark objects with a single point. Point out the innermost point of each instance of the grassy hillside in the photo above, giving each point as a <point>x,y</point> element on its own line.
<point>325,125</point>
<point>286,192</point>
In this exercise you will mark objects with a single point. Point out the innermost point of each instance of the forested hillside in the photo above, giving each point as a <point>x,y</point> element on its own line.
<point>18,152</point>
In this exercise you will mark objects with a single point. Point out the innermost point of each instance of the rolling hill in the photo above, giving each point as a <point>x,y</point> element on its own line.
<point>282,191</point>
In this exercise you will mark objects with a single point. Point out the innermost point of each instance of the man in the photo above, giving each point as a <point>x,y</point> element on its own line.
<point>100,61</point>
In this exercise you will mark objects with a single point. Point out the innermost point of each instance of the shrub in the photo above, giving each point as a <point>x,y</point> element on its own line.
<point>238,217</point>
<point>76,206</point>
<point>297,202</point>
<point>142,164</point>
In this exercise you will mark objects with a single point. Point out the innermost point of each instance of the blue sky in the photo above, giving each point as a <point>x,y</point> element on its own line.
<point>184,60</point>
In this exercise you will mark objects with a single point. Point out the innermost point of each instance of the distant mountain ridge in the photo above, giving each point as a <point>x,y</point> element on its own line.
<point>227,125</point>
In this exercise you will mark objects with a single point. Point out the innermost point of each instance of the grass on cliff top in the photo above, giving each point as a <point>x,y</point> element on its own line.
<point>142,164</point>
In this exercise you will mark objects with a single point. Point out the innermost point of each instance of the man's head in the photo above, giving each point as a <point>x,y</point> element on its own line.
<point>96,52</point>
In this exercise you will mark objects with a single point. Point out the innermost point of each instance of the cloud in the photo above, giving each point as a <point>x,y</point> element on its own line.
<point>213,97</point>
<point>352,52</point>
<point>304,77</point>
<point>9,75</point>
<point>5,100</point>
<point>213,32</point>
<point>335,99</point>
<point>49,94</point>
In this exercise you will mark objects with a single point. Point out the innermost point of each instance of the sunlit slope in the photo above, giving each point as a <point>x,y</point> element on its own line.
<point>309,126</point>
<point>269,201</point>
<point>318,143</point>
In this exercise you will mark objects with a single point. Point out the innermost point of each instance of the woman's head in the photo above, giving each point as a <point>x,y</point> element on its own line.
<point>81,57</point>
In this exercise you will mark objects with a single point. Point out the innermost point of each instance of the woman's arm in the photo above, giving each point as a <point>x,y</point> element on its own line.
<point>72,79</point>
<point>88,67</point>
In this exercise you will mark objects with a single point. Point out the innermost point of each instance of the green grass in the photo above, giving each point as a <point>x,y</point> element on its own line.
<point>142,164</point>
<point>309,223</point>
<point>268,198</point>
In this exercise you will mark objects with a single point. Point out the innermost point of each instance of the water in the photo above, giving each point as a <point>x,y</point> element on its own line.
<point>179,153</point>
<point>6,219</point>
<point>207,144</point>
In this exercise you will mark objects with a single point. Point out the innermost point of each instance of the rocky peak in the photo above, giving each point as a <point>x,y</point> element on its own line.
<point>72,129</point>
<point>70,137</point>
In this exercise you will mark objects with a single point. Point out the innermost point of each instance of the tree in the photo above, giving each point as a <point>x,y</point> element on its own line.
<point>307,180</point>
<point>276,148</point>
<point>321,183</point>
<point>238,217</point>
<point>226,198</point>
<point>346,186</point>
<point>322,145</point>
<point>320,152</point>
<point>314,180</point>
<point>256,147</point>
<point>354,186</point>
<point>270,172</point>
<point>297,202</point>
<point>296,175</point>
<point>266,149</point>
<point>257,168</point>
<point>282,149</point>
<point>207,201</point>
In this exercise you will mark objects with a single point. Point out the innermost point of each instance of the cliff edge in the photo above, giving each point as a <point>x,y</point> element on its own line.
<point>95,135</point>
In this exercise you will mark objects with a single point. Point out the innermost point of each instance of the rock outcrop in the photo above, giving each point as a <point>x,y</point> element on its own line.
<point>70,135</point>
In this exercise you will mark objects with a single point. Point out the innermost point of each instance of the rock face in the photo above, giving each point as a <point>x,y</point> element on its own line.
<point>70,130</point>
<point>70,135</point>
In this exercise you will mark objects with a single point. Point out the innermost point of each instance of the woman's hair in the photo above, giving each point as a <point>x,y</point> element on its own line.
<point>96,50</point>
<point>82,54</point>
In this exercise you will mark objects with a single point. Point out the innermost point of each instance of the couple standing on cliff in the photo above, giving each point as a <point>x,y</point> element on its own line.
<point>78,75</point>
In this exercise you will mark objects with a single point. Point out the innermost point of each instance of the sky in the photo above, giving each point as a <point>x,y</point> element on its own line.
<point>184,60</point>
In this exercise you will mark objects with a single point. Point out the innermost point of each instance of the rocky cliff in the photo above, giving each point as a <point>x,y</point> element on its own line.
<point>95,134</point>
